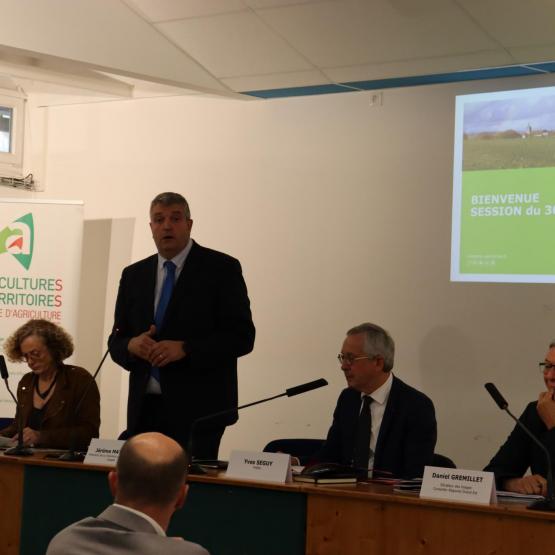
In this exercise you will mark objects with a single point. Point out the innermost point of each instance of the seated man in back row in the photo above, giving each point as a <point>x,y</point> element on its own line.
<point>149,486</point>
<point>381,426</point>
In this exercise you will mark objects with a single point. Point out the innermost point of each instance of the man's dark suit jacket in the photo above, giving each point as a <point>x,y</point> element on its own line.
<point>519,452</point>
<point>210,311</point>
<point>407,435</point>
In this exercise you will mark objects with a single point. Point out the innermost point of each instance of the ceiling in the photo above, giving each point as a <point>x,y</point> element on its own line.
<point>269,48</point>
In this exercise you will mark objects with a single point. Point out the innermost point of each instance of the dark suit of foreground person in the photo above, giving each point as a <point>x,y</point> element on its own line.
<point>403,429</point>
<point>148,486</point>
<point>519,452</point>
<point>186,367</point>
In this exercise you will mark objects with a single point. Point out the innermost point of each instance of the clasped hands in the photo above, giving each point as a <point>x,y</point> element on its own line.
<point>534,484</point>
<point>158,353</point>
<point>30,437</point>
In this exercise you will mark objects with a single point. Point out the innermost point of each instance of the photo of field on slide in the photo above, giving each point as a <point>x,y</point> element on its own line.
<point>508,184</point>
<point>509,133</point>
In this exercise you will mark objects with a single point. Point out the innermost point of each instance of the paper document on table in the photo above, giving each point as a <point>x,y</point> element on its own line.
<point>518,496</point>
<point>6,442</point>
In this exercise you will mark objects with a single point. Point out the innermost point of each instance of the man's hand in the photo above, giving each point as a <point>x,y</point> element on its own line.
<point>166,351</point>
<point>30,437</point>
<point>141,346</point>
<point>531,485</point>
<point>546,409</point>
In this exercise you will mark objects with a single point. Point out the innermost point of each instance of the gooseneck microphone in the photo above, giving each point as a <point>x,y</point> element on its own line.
<point>547,504</point>
<point>498,398</point>
<point>73,454</point>
<point>297,390</point>
<point>309,386</point>
<point>4,370</point>
<point>19,450</point>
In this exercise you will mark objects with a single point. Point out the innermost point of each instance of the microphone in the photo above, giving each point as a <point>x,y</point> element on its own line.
<point>547,504</point>
<point>297,390</point>
<point>72,454</point>
<point>19,450</point>
<point>497,397</point>
<point>3,369</point>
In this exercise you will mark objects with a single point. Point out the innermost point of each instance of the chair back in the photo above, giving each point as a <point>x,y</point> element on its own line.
<point>5,422</point>
<point>442,461</point>
<point>296,447</point>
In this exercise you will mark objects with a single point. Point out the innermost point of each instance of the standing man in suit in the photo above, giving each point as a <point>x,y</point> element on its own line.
<point>182,319</point>
<point>148,486</point>
<point>379,422</point>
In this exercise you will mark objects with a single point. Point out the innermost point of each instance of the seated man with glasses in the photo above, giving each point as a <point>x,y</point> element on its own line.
<point>381,426</point>
<point>519,452</point>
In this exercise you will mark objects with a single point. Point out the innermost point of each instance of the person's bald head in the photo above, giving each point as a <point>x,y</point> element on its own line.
<point>151,469</point>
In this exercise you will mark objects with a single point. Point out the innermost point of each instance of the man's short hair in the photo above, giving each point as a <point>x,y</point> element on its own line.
<point>167,199</point>
<point>147,482</point>
<point>377,341</point>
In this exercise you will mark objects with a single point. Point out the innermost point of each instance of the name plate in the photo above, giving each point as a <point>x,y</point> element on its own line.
<point>452,484</point>
<point>103,452</point>
<point>265,467</point>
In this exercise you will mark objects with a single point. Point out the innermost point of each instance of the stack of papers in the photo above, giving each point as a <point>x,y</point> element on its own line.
<point>6,442</point>
<point>408,486</point>
<point>508,495</point>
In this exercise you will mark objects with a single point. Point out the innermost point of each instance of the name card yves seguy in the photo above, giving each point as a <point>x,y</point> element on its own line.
<point>265,467</point>
<point>450,484</point>
<point>103,452</point>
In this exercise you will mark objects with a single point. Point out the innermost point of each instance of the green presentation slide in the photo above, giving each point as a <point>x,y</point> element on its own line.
<point>504,187</point>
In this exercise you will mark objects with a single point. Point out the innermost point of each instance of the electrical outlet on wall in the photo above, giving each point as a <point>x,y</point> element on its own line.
<point>376,98</point>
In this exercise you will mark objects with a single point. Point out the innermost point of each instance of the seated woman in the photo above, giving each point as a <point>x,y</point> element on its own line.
<point>519,453</point>
<point>49,394</point>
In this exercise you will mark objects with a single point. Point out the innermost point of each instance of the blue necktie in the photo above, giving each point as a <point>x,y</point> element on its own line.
<point>165,296</point>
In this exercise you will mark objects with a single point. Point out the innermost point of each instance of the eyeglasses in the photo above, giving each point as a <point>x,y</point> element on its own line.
<point>35,355</point>
<point>350,359</point>
<point>546,366</point>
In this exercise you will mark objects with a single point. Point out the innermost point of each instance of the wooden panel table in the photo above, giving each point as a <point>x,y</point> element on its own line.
<point>38,498</point>
<point>11,500</point>
<point>365,519</point>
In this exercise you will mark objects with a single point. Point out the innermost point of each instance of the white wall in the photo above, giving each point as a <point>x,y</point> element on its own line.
<point>340,213</point>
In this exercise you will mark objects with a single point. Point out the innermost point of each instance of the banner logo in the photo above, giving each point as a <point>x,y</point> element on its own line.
<point>18,239</point>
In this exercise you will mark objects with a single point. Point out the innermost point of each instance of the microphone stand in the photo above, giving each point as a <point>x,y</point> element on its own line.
<point>548,503</point>
<point>19,450</point>
<point>72,454</point>
<point>194,466</point>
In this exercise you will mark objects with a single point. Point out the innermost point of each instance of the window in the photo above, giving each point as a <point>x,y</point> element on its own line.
<point>6,138</point>
<point>12,127</point>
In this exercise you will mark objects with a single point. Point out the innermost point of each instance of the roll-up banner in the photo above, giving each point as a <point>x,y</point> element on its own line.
<point>40,264</point>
